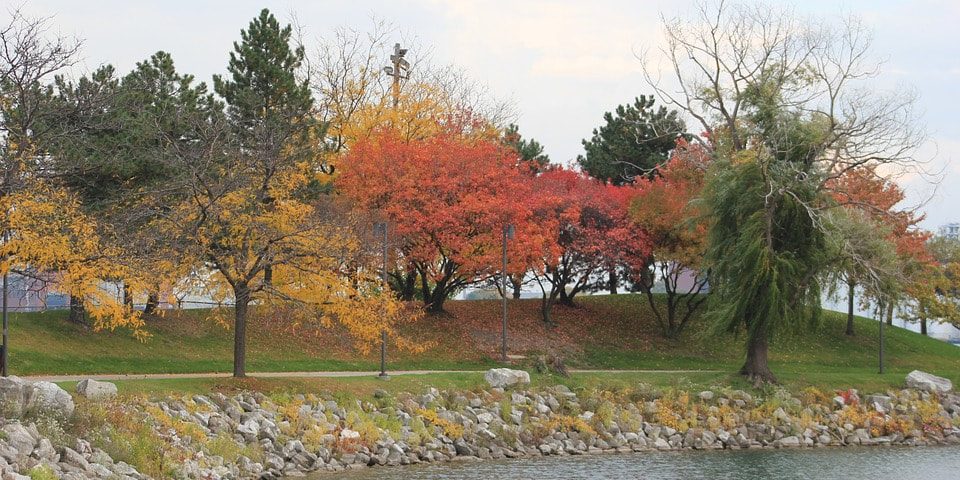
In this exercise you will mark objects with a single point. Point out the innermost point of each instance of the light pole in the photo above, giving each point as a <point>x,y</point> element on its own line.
<point>507,235</point>
<point>880,318</point>
<point>380,229</point>
<point>3,352</point>
<point>4,349</point>
<point>399,70</point>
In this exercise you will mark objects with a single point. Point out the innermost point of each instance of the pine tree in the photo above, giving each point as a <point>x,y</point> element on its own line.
<point>530,150</point>
<point>266,102</point>
<point>634,141</point>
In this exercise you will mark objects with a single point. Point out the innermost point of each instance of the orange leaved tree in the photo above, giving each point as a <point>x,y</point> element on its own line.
<point>447,198</point>
<point>665,207</point>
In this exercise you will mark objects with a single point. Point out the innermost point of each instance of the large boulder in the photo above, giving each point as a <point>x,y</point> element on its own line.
<point>94,389</point>
<point>51,398</point>
<point>505,377</point>
<point>18,437</point>
<point>928,383</point>
<point>18,396</point>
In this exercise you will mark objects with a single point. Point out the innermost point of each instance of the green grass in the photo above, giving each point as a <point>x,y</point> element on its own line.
<point>609,332</point>
<point>364,387</point>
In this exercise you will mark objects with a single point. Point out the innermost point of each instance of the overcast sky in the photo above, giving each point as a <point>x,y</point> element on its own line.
<point>563,64</point>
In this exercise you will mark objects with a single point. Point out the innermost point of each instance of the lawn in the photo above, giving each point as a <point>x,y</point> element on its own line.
<point>607,332</point>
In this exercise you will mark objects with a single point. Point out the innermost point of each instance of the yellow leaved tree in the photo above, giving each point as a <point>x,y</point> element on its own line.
<point>45,235</point>
<point>252,206</point>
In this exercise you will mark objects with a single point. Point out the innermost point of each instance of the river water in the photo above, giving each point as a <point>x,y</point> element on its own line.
<point>848,463</point>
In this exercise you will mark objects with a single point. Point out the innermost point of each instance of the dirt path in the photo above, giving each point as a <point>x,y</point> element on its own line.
<point>166,376</point>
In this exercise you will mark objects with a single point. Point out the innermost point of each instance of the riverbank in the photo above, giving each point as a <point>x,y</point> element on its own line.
<point>254,435</point>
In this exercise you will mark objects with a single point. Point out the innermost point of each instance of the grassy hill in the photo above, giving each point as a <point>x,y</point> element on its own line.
<point>609,332</point>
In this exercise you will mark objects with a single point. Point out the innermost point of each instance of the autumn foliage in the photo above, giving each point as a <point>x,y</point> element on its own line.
<point>665,206</point>
<point>447,199</point>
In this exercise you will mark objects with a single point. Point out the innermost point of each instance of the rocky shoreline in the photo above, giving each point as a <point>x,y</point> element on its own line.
<point>252,435</point>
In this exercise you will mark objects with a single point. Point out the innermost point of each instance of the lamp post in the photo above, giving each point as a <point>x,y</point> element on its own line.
<point>399,70</point>
<point>880,318</point>
<point>4,349</point>
<point>380,229</point>
<point>507,235</point>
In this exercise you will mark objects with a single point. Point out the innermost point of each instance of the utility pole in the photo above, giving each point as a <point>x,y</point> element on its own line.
<point>399,70</point>
<point>507,235</point>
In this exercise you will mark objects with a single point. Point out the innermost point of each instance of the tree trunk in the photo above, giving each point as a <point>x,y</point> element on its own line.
<point>127,296</point>
<point>435,300</point>
<point>242,296</point>
<point>153,301</point>
<point>405,284</point>
<point>545,304</point>
<point>77,312</point>
<point>612,280</point>
<point>516,288</point>
<point>756,368</point>
<point>923,326</point>
<point>890,313</point>
<point>566,298</point>
<point>850,294</point>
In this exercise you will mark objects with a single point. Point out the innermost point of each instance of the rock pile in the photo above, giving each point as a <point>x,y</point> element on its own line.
<point>250,435</point>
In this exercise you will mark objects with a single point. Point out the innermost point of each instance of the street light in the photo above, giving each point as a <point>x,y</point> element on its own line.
<point>4,349</point>
<point>507,235</point>
<point>380,229</point>
<point>400,69</point>
<point>880,318</point>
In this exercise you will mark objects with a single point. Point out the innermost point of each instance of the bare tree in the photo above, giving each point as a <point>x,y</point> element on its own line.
<point>347,77</point>
<point>29,58</point>
<point>793,96</point>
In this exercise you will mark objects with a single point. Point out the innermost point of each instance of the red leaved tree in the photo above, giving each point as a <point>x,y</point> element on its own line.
<point>664,206</point>
<point>586,233</point>
<point>447,198</point>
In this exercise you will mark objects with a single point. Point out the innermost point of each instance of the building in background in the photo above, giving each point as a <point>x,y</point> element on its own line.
<point>950,230</point>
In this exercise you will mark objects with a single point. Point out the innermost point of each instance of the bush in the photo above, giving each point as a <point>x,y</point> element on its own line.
<point>449,428</point>
<point>42,472</point>
<point>231,451</point>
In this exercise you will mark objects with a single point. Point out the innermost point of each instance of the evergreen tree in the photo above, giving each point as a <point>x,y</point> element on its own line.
<point>267,104</point>
<point>634,140</point>
<point>270,111</point>
<point>112,137</point>
<point>113,129</point>
<point>530,150</point>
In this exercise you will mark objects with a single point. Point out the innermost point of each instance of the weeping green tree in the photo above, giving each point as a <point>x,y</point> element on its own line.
<point>785,110</point>
<point>764,248</point>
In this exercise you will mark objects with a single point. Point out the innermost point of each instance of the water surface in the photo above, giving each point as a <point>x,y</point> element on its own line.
<point>848,463</point>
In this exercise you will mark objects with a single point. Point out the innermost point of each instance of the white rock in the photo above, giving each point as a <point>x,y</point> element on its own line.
<point>928,383</point>
<point>95,389</point>
<point>19,438</point>
<point>505,377</point>
<point>485,417</point>
<point>347,434</point>
<point>250,427</point>
<point>51,397</point>
<point>789,442</point>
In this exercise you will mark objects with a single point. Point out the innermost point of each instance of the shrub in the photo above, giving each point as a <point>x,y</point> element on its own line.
<point>449,428</point>
<point>566,423</point>
<point>506,409</point>
<point>231,451</point>
<point>42,472</point>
